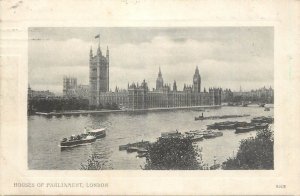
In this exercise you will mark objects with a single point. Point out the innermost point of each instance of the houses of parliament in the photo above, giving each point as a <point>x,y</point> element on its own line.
<point>138,96</point>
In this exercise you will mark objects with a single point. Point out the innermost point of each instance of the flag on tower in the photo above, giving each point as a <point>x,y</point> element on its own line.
<point>97,36</point>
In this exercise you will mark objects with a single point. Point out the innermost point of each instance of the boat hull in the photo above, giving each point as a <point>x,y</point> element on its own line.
<point>74,143</point>
<point>101,135</point>
<point>142,144</point>
<point>98,134</point>
<point>244,129</point>
<point>262,126</point>
<point>132,149</point>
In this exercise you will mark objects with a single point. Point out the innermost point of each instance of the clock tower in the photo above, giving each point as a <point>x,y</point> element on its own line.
<point>197,81</point>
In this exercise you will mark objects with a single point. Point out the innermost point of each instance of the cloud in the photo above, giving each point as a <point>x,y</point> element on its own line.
<point>224,63</point>
<point>50,53</point>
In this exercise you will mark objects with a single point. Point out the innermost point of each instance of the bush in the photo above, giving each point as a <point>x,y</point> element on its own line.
<point>254,153</point>
<point>93,163</point>
<point>172,154</point>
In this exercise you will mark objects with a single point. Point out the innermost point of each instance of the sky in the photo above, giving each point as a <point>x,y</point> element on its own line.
<point>227,57</point>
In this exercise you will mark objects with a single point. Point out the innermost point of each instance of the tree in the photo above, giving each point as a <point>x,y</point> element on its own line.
<point>93,163</point>
<point>172,154</point>
<point>254,153</point>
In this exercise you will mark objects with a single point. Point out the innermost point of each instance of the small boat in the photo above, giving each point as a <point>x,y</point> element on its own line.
<point>197,138</point>
<point>123,147</point>
<point>77,140</point>
<point>171,134</point>
<point>98,133</point>
<point>267,109</point>
<point>199,118</point>
<point>194,136</point>
<point>218,133</point>
<point>262,119</point>
<point>142,144</point>
<point>142,150</point>
<point>226,126</point>
<point>262,105</point>
<point>212,134</point>
<point>209,135</point>
<point>244,129</point>
<point>261,125</point>
<point>194,132</point>
<point>245,104</point>
<point>241,124</point>
<point>223,125</point>
<point>132,149</point>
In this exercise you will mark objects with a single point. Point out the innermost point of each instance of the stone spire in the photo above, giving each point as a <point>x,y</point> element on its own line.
<point>107,52</point>
<point>91,53</point>
<point>159,73</point>
<point>174,86</point>
<point>99,53</point>
<point>159,81</point>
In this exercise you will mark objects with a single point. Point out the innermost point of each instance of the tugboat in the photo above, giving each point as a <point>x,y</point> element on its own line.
<point>200,117</point>
<point>77,140</point>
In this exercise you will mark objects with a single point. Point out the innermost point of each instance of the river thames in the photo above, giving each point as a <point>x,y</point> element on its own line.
<point>45,133</point>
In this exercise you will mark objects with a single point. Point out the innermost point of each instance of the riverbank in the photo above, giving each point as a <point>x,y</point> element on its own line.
<point>125,111</point>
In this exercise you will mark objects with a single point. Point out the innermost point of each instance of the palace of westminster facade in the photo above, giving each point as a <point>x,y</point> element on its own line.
<point>138,96</point>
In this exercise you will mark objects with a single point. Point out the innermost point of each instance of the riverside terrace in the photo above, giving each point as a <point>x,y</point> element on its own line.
<point>86,112</point>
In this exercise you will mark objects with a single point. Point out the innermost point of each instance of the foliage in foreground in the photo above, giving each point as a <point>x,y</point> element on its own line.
<point>254,153</point>
<point>172,154</point>
<point>93,163</point>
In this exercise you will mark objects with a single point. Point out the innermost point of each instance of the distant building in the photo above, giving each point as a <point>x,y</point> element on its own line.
<point>227,95</point>
<point>265,95</point>
<point>39,94</point>
<point>69,86</point>
<point>71,89</point>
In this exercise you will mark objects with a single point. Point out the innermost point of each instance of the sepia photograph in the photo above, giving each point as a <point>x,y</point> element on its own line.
<point>139,97</point>
<point>151,98</point>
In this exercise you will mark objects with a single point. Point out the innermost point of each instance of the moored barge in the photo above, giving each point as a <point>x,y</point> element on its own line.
<point>245,129</point>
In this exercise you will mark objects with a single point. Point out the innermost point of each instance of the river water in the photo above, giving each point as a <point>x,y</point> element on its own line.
<point>45,133</point>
